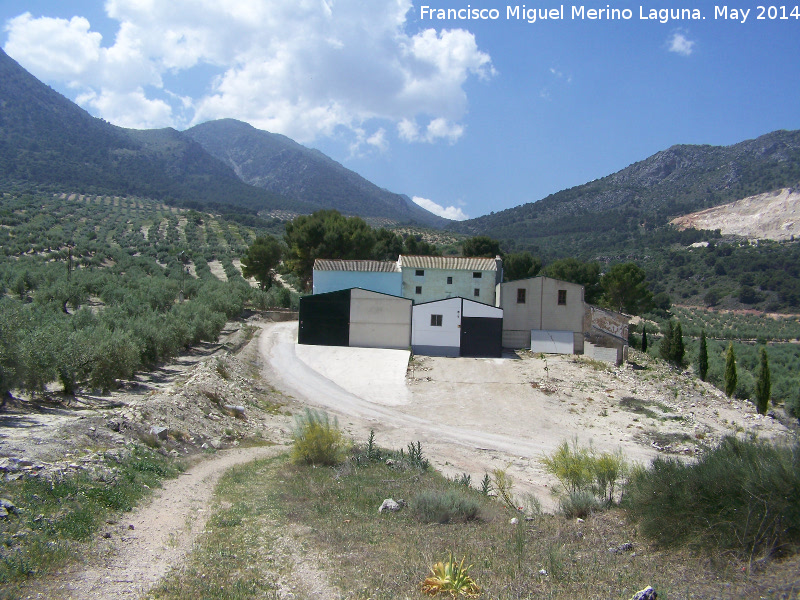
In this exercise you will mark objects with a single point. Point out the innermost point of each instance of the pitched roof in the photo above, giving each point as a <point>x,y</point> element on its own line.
<point>371,266</point>
<point>448,262</point>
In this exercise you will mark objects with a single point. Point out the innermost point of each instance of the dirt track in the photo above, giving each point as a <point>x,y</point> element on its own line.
<point>476,415</point>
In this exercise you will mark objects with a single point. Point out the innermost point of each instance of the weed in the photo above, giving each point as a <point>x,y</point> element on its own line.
<point>503,483</point>
<point>317,440</point>
<point>454,505</point>
<point>464,479</point>
<point>222,369</point>
<point>486,484</point>
<point>414,457</point>
<point>578,504</point>
<point>450,577</point>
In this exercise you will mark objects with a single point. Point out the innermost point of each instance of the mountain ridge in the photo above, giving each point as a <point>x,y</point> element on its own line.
<point>272,161</point>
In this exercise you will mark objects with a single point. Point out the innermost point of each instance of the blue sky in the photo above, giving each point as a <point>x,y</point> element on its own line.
<point>467,116</point>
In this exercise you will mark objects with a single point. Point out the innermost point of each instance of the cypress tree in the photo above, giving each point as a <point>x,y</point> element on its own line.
<point>702,358</point>
<point>644,337</point>
<point>677,349</point>
<point>763,385</point>
<point>730,371</point>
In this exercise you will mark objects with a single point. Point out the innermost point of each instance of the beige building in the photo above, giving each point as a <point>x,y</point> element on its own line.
<point>548,312</point>
<point>429,278</point>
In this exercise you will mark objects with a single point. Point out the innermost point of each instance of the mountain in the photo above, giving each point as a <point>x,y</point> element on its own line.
<point>282,166</point>
<point>617,210</point>
<point>47,140</point>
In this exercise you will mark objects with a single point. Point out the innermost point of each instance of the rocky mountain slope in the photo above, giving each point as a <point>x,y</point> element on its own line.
<point>648,194</point>
<point>48,141</point>
<point>284,167</point>
<point>771,216</point>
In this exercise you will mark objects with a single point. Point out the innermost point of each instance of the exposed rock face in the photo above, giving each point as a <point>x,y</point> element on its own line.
<point>771,216</point>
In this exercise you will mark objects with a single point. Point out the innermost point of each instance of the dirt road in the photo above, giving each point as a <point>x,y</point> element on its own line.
<point>145,544</point>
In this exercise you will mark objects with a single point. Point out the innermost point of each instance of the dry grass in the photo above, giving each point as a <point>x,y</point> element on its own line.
<point>367,555</point>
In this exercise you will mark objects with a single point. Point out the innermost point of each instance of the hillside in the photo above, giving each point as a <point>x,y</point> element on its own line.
<point>48,141</point>
<point>284,167</point>
<point>770,216</point>
<point>623,208</point>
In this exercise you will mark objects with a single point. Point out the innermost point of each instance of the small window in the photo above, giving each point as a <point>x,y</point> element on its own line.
<point>420,273</point>
<point>562,297</point>
<point>418,290</point>
<point>449,281</point>
<point>436,320</point>
<point>520,295</point>
<point>477,292</point>
<point>477,275</point>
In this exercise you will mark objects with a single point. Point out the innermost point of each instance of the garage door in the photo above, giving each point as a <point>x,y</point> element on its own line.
<point>325,319</point>
<point>481,336</point>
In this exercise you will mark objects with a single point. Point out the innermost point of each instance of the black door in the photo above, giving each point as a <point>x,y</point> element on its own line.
<point>481,336</point>
<point>325,319</point>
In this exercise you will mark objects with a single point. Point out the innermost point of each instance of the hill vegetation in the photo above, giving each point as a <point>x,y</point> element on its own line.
<point>97,287</point>
<point>285,168</point>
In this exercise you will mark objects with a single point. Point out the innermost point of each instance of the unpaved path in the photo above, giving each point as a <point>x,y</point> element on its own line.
<point>151,540</point>
<point>477,415</point>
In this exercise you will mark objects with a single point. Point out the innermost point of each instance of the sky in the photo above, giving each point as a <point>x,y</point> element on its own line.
<point>468,107</point>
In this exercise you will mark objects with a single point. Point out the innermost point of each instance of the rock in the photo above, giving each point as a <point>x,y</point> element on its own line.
<point>647,593</point>
<point>6,507</point>
<point>390,505</point>
<point>626,547</point>
<point>160,432</point>
<point>389,462</point>
<point>543,572</point>
<point>579,520</point>
<point>514,521</point>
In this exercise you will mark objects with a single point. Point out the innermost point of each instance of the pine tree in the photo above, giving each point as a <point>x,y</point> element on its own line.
<point>763,385</point>
<point>677,349</point>
<point>730,371</point>
<point>644,338</point>
<point>665,348</point>
<point>702,358</point>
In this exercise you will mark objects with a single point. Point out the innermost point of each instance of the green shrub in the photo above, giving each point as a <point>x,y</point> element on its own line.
<point>571,465</point>
<point>740,496</point>
<point>317,440</point>
<point>578,504</point>
<point>455,505</point>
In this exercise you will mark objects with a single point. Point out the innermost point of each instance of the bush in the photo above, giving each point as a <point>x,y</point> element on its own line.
<point>317,441</point>
<point>740,496</point>
<point>579,504</point>
<point>456,505</point>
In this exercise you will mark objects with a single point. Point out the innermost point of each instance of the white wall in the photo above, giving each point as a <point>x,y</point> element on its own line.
<point>426,339</point>
<point>379,320</point>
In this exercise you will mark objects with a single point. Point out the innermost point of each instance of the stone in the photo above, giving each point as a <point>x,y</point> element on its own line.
<point>647,593</point>
<point>514,521</point>
<point>160,432</point>
<point>390,505</point>
<point>626,547</point>
<point>6,507</point>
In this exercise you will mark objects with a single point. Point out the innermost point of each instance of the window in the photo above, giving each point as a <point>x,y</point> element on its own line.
<point>436,320</point>
<point>477,275</point>
<point>449,281</point>
<point>418,290</point>
<point>520,295</point>
<point>562,297</point>
<point>477,292</point>
<point>420,273</point>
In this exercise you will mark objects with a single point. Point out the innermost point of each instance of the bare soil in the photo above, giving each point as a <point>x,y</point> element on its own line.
<point>470,415</point>
<point>771,216</point>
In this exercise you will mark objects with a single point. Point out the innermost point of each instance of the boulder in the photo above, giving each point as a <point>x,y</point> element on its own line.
<point>390,505</point>
<point>647,593</point>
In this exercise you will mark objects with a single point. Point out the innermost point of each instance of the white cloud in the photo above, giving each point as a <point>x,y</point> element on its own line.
<point>306,68</point>
<point>680,44</point>
<point>451,212</point>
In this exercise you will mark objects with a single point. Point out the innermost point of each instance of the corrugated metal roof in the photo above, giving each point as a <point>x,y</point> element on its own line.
<point>448,262</point>
<point>371,266</point>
